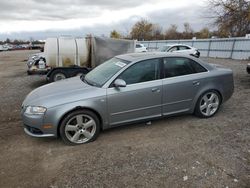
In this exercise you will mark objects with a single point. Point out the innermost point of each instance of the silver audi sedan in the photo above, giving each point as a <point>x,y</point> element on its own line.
<point>127,88</point>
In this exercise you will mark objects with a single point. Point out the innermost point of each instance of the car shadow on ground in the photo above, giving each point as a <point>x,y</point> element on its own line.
<point>245,81</point>
<point>123,129</point>
<point>38,83</point>
<point>150,123</point>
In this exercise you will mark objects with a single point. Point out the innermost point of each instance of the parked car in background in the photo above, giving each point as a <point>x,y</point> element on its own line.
<point>125,89</point>
<point>3,48</point>
<point>140,48</point>
<point>181,48</point>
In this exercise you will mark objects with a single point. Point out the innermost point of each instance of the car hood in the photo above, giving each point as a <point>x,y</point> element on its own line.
<point>61,92</point>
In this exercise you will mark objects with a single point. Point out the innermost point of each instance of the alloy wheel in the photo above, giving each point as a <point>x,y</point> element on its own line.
<point>209,104</point>
<point>80,128</point>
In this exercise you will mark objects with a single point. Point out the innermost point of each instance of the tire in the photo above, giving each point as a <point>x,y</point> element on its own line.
<point>208,104</point>
<point>58,75</point>
<point>80,127</point>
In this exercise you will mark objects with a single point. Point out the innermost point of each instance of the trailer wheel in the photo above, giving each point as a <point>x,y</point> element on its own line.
<point>57,75</point>
<point>80,73</point>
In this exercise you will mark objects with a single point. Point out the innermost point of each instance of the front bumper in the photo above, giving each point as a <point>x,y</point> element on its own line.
<point>35,70</point>
<point>34,126</point>
<point>248,68</point>
<point>30,133</point>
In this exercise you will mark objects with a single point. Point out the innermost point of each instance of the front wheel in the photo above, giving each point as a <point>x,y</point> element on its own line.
<point>208,104</point>
<point>79,127</point>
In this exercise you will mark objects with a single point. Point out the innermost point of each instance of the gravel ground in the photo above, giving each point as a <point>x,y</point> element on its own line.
<point>182,151</point>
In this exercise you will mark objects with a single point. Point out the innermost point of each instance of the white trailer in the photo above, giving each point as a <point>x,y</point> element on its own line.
<point>67,56</point>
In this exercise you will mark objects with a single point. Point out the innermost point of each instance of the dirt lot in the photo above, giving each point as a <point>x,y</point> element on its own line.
<point>174,152</point>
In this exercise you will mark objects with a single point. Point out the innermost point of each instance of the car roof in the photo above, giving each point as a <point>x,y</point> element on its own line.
<point>148,55</point>
<point>177,45</point>
<point>135,57</point>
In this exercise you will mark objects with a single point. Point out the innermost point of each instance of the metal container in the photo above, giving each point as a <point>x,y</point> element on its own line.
<point>66,52</point>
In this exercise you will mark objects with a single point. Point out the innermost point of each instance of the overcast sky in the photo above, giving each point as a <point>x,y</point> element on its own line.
<point>40,19</point>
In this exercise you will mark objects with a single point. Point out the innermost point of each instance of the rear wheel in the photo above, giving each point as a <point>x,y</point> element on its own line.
<point>208,104</point>
<point>79,127</point>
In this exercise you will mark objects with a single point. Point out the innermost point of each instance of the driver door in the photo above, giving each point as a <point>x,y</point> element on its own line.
<point>141,98</point>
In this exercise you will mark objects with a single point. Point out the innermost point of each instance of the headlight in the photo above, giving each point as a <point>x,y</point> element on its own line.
<point>35,110</point>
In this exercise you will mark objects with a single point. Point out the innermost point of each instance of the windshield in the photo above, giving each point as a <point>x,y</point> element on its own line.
<point>165,48</point>
<point>102,73</point>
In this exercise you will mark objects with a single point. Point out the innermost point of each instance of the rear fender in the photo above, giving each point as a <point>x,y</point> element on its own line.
<point>204,89</point>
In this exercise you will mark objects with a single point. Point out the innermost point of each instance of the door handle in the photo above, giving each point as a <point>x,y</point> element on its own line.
<point>196,83</point>
<point>155,90</point>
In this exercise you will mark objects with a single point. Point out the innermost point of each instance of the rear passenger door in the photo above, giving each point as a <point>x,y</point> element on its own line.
<point>182,80</point>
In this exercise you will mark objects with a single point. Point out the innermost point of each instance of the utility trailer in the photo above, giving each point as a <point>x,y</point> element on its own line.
<point>66,57</point>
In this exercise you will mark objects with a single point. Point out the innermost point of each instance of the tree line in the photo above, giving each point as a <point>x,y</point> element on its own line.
<point>145,30</point>
<point>230,17</point>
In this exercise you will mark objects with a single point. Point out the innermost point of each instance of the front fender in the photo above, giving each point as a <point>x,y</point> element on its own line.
<point>54,115</point>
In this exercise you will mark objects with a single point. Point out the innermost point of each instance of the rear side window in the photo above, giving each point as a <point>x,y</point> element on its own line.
<point>142,71</point>
<point>178,66</point>
<point>138,46</point>
<point>198,68</point>
<point>183,48</point>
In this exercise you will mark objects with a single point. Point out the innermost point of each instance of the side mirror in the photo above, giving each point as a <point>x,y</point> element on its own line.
<point>120,83</point>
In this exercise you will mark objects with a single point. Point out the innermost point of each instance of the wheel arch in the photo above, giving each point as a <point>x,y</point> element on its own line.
<point>78,108</point>
<point>53,71</point>
<point>197,97</point>
<point>69,70</point>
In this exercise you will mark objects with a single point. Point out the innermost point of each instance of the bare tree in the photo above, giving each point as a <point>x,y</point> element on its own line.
<point>8,41</point>
<point>142,30</point>
<point>115,34</point>
<point>172,32</point>
<point>188,31</point>
<point>203,33</point>
<point>157,32</point>
<point>232,17</point>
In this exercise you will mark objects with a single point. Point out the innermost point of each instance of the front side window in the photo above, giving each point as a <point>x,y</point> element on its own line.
<point>179,66</point>
<point>142,71</point>
<point>102,73</point>
<point>175,48</point>
<point>165,48</point>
